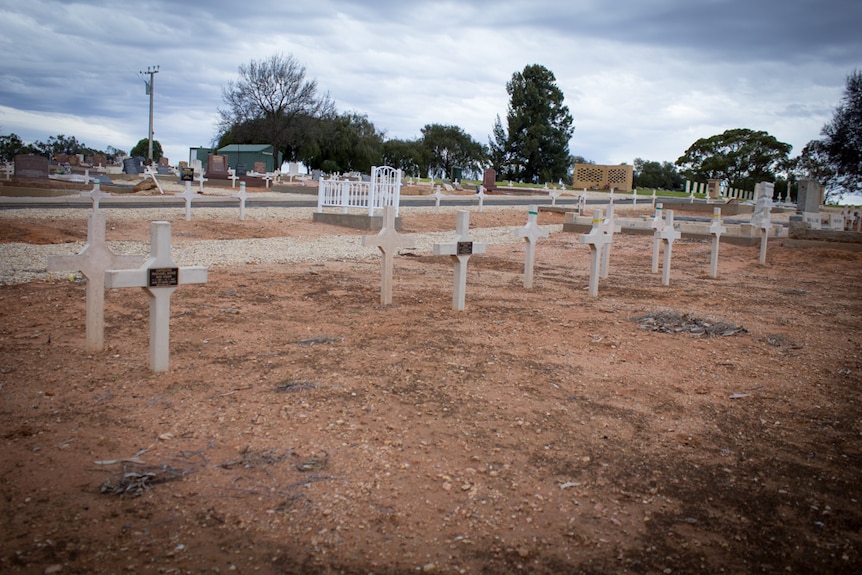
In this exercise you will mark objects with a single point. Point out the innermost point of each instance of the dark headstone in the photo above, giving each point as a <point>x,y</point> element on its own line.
<point>241,170</point>
<point>30,166</point>
<point>133,165</point>
<point>217,165</point>
<point>489,180</point>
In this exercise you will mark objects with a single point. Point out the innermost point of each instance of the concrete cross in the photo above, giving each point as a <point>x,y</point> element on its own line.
<point>188,194</point>
<point>95,194</point>
<point>531,232</point>
<point>716,229</point>
<point>152,172</point>
<point>438,195</point>
<point>460,250</point>
<point>159,277</point>
<point>597,239</point>
<point>201,180</point>
<point>657,225</point>
<point>667,236</point>
<point>232,177</point>
<point>93,261</point>
<point>481,195</point>
<point>389,241</point>
<point>242,195</point>
<point>610,227</point>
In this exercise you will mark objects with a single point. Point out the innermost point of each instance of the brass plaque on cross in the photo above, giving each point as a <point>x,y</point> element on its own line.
<point>163,277</point>
<point>464,248</point>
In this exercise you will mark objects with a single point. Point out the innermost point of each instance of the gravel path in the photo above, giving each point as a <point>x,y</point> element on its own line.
<point>21,263</point>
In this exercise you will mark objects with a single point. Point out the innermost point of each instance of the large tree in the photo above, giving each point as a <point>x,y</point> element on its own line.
<point>409,156</point>
<point>449,147</point>
<point>272,102</point>
<point>741,157</point>
<point>655,175</point>
<point>836,159</point>
<point>349,142</point>
<point>539,127</point>
<point>142,149</point>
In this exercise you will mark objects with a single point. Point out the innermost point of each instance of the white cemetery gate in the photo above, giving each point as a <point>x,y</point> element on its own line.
<point>383,189</point>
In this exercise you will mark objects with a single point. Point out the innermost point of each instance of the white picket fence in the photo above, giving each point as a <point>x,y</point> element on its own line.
<point>383,189</point>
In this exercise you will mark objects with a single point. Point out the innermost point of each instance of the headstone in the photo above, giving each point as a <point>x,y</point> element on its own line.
<point>164,162</point>
<point>667,236</point>
<point>461,249</point>
<point>260,167</point>
<point>713,189</point>
<point>489,179</point>
<point>836,222</point>
<point>812,219</point>
<point>159,277</point>
<point>716,229</point>
<point>597,239</point>
<point>99,161</point>
<point>531,232</point>
<point>217,166</point>
<point>763,203</point>
<point>93,261</point>
<point>30,166</point>
<point>388,240</point>
<point>809,198</point>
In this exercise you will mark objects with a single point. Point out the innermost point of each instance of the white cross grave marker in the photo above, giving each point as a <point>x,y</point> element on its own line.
<point>481,195</point>
<point>188,194</point>
<point>388,240</point>
<point>460,250</point>
<point>554,195</point>
<point>596,239</point>
<point>232,177</point>
<point>93,261</point>
<point>242,195</point>
<point>716,229</point>
<point>657,225</point>
<point>95,194</point>
<point>610,227</point>
<point>152,172</point>
<point>531,232</point>
<point>438,195</point>
<point>201,179</point>
<point>159,277</point>
<point>667,236</point>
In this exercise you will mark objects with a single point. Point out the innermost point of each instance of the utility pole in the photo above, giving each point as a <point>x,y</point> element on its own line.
<point>151,71</point>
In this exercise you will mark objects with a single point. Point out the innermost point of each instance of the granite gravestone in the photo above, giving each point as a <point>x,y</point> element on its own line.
<point>30,166</point>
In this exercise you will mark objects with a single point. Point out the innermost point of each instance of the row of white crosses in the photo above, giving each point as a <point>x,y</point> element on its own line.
<point>159,277</point>
<point>389,241</point>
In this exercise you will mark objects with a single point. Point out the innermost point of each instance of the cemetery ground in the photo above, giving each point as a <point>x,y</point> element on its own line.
<point>712,425</point>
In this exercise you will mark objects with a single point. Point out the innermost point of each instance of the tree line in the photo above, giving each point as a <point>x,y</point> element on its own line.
<point>273,102</point>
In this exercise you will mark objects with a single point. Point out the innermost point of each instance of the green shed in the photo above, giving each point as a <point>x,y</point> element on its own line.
<point>245,155</point>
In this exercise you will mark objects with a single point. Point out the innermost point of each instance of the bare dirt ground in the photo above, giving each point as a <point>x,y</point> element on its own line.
<point>304,428</point>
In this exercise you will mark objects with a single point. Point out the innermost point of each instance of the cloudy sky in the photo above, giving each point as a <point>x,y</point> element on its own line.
<point>641,78</point>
